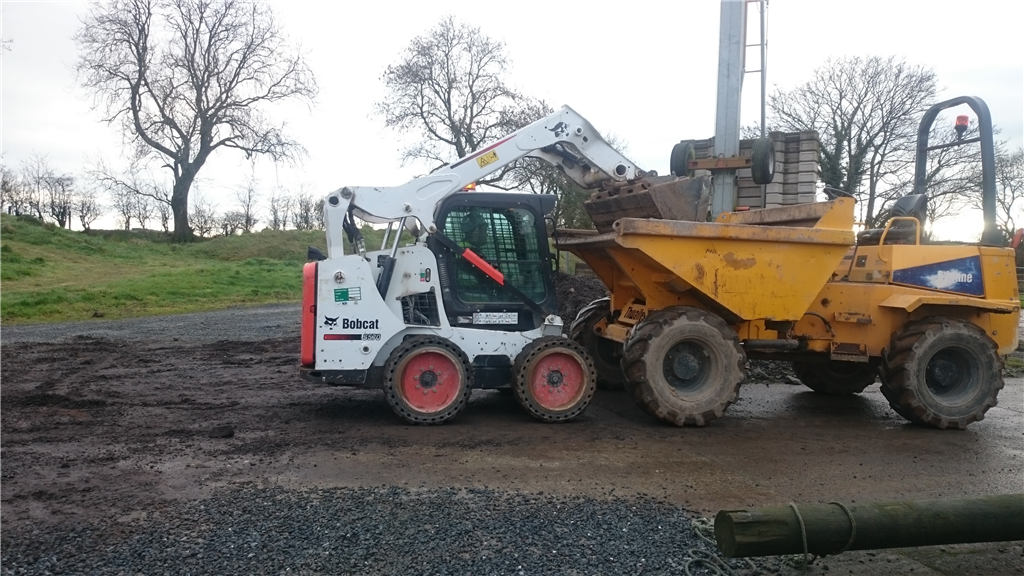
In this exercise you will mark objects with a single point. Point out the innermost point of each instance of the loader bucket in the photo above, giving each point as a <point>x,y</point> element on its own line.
<point>665,197</point>
<point>771,268</point>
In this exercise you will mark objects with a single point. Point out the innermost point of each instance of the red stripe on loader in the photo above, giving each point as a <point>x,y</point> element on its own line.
<point>308,331</point>
<point>483,265</point>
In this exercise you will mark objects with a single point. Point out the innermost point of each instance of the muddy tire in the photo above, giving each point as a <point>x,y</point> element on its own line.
<point>427,380</point>
<point>762,161</point>
<point>678,162</point>
<point>942,372</point>
<point>836,377</point>
<point>554,379</point>
<point>606,354</point>
<point>683,365</point>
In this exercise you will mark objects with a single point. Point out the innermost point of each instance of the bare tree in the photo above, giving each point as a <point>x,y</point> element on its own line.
<point>143,209</point>
<point>247,198</point>
<point>123,202</point>
<point>304,212</point>
<point>203,216</point>
<point>12,192</point>
<point>280,208</point>
<point>187,77</point>
<point>449,89</point>
<point>36,174</point>
<point>866,111</point>
<point>163,209</point>
<point>231,222</point>
<point>1010,191</point>
<point>60,197</point>
<point>87,207</point>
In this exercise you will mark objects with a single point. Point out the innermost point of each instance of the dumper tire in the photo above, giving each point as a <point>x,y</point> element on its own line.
<point>683,365</point>
<point>682,154</point>
<point>606,354</point>
<point>762,161</point>
<point>836,377</point>
<point>427,380</point>
<point>942,372</point>
<point>553,378</point>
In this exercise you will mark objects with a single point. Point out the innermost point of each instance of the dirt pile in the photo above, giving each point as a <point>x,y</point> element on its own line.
<point>575,292</point>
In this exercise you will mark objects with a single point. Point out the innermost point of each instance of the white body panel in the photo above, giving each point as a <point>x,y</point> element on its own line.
<point>371,326</point>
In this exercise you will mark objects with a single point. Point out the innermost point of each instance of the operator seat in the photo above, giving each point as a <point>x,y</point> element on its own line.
<point>914,205</point>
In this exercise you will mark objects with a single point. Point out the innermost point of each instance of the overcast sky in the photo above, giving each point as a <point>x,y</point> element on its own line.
<point>644,71</point>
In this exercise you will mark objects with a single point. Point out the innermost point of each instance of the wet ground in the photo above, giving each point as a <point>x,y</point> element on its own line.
<point>116,428</point>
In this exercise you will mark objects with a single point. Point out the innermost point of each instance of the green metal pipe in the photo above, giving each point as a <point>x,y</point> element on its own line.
<point>833,528</point>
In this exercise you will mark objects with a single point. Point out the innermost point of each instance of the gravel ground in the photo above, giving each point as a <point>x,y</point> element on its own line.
<point>383,531</point>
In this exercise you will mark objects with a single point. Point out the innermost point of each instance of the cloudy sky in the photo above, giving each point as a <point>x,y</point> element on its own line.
<point>644,71</point>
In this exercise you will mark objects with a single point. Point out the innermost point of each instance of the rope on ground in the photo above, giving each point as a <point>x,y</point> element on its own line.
<point>712,561</point>
<point>853,526</point>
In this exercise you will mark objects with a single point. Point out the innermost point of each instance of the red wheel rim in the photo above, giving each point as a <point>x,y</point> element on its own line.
<point>429,381</point>
<point>556,381</point>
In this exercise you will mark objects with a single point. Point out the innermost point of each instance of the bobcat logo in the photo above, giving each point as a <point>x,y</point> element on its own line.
<point>560,129</point>
<point>328,321</point>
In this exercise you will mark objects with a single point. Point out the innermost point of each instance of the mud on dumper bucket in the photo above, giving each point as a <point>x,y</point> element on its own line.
<point>660,197</point>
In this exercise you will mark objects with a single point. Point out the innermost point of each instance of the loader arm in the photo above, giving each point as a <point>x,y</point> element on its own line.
<point>564,139</point>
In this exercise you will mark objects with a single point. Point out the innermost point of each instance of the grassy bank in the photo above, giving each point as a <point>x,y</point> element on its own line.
<point>48,274</point>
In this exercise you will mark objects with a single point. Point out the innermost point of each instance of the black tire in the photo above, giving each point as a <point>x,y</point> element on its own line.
<point>682,154</point>
<point>606,354</point>
<point>704,376</point>
<point>942,372</point>
<point>554,379</point>
<point>450,380</point>
<point>762,161</point>
<point>836,377</point>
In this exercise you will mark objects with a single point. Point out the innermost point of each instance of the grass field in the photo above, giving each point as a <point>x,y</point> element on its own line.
<point>48,274</point>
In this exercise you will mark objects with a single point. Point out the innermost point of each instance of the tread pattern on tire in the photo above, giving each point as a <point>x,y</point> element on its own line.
<point>642,389</point>
<point>415,344</point>
<point>609,376</point>
<point>519,382</point>
<point>901,364</point>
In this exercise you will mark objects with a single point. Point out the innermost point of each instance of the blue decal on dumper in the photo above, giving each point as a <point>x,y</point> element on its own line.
<point>962,276</point>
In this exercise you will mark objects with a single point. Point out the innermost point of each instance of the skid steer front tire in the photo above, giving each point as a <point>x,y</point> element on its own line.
<point>683,365</point>
<point>942,372</point>
<point>554,379</point>
<point>607,354</point>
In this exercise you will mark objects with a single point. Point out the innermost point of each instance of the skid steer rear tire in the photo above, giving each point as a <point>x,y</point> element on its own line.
<point>683,365</point>
<point>942,372</point>
<point>606,354</point>
<point>836,377</point>
<point>762,161</point>
<point>427,380</point>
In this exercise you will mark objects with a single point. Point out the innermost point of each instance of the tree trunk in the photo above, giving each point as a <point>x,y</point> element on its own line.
<point>179,207</point>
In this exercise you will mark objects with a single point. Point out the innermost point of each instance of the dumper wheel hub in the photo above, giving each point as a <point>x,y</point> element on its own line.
<point>685,365</point>
<point>948,373</point>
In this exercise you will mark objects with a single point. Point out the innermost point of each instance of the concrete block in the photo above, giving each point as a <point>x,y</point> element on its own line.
<point>806,177</point>
<point>808,156</point>
<point>809,145</point>
<point>808,166</point>
<point>806,198</point>
<point>774,187</point>
<point>773,198</point>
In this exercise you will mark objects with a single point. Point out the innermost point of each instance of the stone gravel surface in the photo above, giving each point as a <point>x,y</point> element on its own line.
<point>383,531</point>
